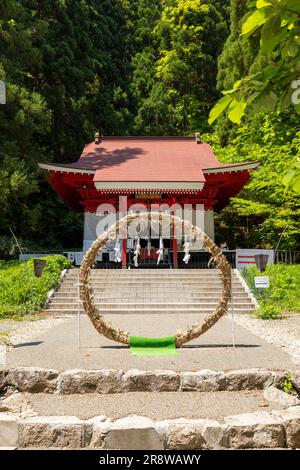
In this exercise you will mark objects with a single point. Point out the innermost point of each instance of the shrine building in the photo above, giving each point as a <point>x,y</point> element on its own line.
<point>147,170</point>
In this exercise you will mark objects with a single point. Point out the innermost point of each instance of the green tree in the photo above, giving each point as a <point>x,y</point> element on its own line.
<point>66,65</point>
<point>181,63</point>
<point>264,209</point>
<point>271,87</point>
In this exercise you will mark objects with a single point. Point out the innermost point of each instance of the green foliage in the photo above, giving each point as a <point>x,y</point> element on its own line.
<point>268,311</point>
<point>21,293</point>
<point>145,67</point>
<point>264,209</point>
<point>66,66</point>
<point>283,294</point>
<point>287,385</point>
<point>272,85</point>
<point>4,337</point>
<point>292,178</point>
<point>185,40</point>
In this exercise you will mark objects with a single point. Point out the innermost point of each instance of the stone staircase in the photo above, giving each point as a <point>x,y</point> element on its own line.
<point>152,291</point>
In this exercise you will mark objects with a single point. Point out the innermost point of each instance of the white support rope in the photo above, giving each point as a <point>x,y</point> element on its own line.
<point>232,317</point>
<point>78,314</point>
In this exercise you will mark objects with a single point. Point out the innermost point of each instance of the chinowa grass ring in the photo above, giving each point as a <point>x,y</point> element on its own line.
<point>181,337</point>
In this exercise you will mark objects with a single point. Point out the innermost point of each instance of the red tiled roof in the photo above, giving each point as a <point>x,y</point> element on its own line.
<point>121,165</point>
<point>126,159</point>
<point>148,159</point>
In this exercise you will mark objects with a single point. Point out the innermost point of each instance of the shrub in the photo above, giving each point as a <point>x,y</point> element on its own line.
<point>21,293</point>
<point>283,294</point>
<point>268,311</point>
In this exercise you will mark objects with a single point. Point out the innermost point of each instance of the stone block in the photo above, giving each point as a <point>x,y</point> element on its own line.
<point>8,431</point>
<point>32,379</point>
<point>151,381</point>
<point>255,431</point>
<point>63,432</point>
<point>248,379</point>
<point>203,381</point>
<point>100,428</point>
<point>291,422</point>
<point>189,434</point>
<point>91,381</point>
<point>133,433</point>
<point>279,399</point>
<point>3,374</point>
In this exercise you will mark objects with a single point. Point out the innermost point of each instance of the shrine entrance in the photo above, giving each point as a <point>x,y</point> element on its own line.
<point>149,255</point>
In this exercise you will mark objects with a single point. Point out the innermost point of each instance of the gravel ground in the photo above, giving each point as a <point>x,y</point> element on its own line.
<point>284,334</point>
<point>157,406</point>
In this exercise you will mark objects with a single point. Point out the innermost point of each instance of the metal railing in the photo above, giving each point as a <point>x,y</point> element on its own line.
<point>151,260</point>
<point>200,259</point>
<point>287,257</point>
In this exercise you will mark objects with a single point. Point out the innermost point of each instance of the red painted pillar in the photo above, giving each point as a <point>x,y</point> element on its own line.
<point>175,249</point>
<point>124,253</point>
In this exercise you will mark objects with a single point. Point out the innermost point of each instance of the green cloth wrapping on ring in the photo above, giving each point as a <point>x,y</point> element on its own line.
<point>140,346</point>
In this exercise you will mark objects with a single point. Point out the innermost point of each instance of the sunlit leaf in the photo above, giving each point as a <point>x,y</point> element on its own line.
<point>257,19</point>
<point>262,4</point>
<point>219,108</point>
<point>237,111</point>
<point>296,185</point>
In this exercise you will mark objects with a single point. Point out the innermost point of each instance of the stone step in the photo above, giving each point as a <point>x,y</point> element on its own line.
<point>154,284</point>
<point>145,311</point>
<point>163,278</point>
<point>144,410</point>
<point>196,292</point>
<point>138,304</point>
<point>151,291</point>
<point>148,272</point>
<point>144,277</point>
<point>150,295</point>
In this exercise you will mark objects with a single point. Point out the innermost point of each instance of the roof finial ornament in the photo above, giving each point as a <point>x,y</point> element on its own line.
<point>198,138</point>
<point>97,138</point>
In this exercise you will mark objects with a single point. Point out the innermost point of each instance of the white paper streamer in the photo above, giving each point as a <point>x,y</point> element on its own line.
<point>160,251</point>
<point>137,253</point>
<point>117,249</point>
<point>186,248</point>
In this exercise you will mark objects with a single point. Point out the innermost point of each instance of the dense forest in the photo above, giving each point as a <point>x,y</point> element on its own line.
<point>140,67</point>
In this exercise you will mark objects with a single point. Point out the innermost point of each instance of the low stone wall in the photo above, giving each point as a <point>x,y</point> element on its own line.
<point>36,380</point>
<point>279,429</point>
<point>276,429</point>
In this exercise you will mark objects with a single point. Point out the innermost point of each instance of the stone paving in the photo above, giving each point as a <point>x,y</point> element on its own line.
<point>58,347</point>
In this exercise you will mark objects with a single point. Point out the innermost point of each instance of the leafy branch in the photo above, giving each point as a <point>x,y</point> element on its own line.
<point>276,86</point>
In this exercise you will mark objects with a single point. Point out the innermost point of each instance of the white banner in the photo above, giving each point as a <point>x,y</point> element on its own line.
<point>262,282</point>
<point>246,258</point>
